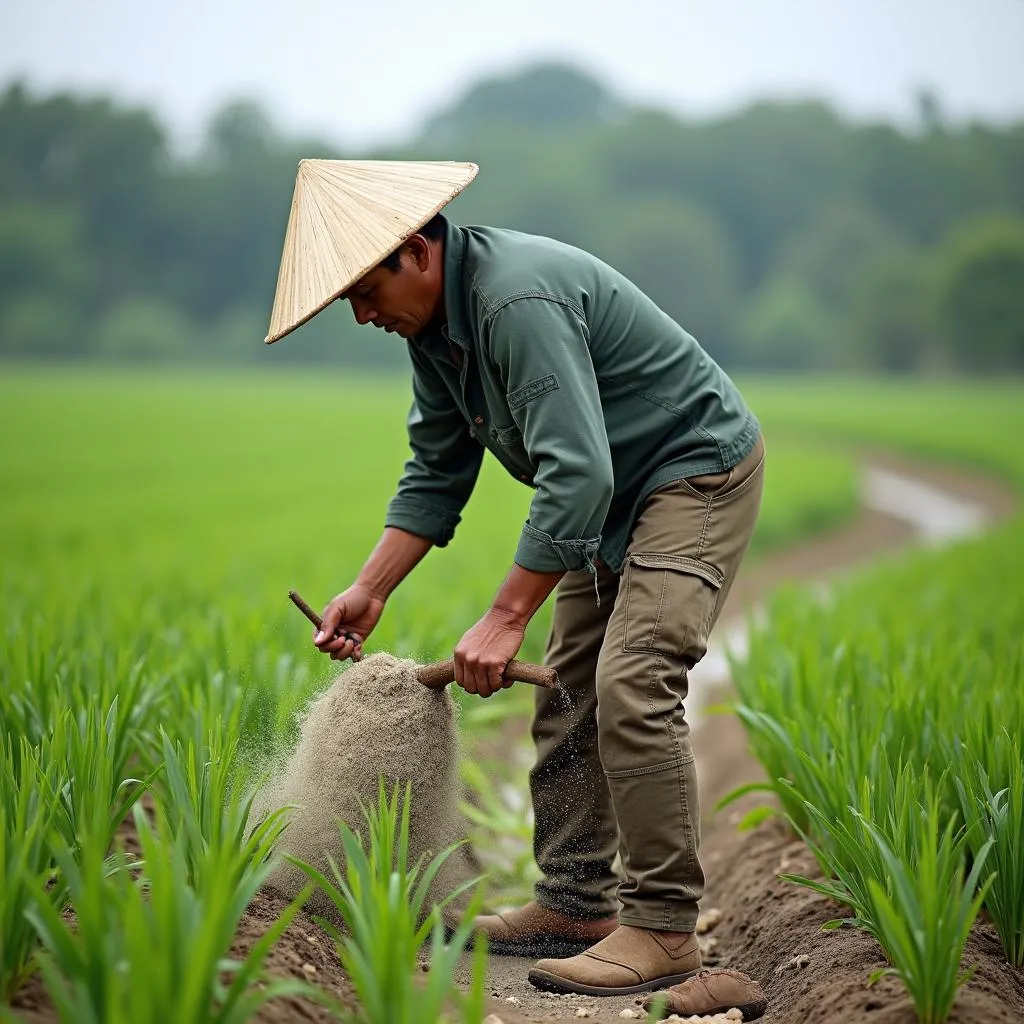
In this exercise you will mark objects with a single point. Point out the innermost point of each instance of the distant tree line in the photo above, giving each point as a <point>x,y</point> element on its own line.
<point>783,236</point>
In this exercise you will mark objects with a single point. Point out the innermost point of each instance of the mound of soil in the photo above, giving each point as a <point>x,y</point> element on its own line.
<point>374,721</point>
<point>304,952</point>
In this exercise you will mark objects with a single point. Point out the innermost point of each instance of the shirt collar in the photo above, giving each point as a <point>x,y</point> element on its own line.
<point>454,286</point>
<point>436,340</point>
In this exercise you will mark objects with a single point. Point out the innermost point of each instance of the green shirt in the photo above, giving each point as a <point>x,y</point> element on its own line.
<point>578,384</point>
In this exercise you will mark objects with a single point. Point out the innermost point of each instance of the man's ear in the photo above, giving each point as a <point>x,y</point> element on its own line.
<point>419,250</point>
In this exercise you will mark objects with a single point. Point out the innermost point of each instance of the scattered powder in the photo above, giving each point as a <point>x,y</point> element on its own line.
<point>375,719</point>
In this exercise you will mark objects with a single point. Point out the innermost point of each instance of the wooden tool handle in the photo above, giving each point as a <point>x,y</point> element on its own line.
<point>317,621</point>
<point>438,675</point>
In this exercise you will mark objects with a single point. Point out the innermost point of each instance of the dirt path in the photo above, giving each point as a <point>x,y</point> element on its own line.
<point>766,923</point>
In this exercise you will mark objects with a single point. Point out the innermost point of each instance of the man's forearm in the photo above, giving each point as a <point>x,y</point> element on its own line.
<point>397,553</point>
<point>523,592</point>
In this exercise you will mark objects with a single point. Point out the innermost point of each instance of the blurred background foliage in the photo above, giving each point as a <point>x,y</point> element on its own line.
<point>783,235</point>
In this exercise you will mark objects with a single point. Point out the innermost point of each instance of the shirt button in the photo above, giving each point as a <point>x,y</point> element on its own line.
<point>478,420</point>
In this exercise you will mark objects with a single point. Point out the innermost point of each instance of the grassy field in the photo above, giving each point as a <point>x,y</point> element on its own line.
<point>971,422</point>
<point>150,529</point>
<point>214,495</point>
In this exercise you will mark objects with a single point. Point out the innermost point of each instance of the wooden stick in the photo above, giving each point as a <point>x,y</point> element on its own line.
<point>438,675</point>
<point>318,622</point>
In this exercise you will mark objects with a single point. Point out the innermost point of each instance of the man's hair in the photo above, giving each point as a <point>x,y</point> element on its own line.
<point>432,231</point>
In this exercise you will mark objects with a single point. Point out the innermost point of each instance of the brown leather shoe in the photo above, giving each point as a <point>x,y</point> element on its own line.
<point>629,960</point>
<point>716,990</point>
<point>536,931</point>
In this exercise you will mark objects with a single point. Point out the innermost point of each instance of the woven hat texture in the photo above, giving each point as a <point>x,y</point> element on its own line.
<point>346,216</point>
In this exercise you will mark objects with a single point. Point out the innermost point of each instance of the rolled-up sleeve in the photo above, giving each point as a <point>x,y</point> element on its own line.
<point>541,347</point>
<point>440,475</point>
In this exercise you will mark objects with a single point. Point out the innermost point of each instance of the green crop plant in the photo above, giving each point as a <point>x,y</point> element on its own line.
<point>29,808</point>
<point>905,674</point>
<point>97,796</point>
<point>207,804</point>
<point>836,836</point>
<point>140,944</point>
<point>383,901</point>
<point>924,908</point>
<point>994,813</point>
<point>40,679</point>
<point>65,785</point>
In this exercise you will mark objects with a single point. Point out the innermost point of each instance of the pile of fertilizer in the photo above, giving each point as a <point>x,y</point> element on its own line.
<point>375,720</point>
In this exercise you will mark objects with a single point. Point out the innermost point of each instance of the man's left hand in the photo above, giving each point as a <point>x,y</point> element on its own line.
<point>484,651</point>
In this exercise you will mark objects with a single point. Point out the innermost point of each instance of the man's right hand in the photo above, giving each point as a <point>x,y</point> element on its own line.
<point>357,611</point>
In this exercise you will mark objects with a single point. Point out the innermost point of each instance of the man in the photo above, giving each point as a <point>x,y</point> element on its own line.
<point>647,470</point>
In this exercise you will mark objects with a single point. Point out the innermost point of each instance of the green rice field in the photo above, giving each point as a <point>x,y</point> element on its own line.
<point>216,494</point>
<point>152,524</point>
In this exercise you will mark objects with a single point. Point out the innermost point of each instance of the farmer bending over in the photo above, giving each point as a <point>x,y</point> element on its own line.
<point>647,469</point>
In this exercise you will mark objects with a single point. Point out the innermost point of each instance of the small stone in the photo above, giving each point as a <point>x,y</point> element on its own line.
<point>797,962</point>
<point>629,1012</point>
<point>584,1011</point>
<point>708,920</point>
<point>513,1000</point>
<point>493,1018</point>
<point>309,970</point>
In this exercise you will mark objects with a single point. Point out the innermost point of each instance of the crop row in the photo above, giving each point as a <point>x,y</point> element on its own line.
<point>128,857</point>
<point>888,716</point>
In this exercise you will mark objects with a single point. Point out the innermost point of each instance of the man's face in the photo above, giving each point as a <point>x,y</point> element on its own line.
<point>405,302</point>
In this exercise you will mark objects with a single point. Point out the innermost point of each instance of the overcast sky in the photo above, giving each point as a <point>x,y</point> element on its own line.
<point>356,72</point>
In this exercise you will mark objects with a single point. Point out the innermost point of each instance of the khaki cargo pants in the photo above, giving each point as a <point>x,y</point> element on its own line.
<point>614,771</point>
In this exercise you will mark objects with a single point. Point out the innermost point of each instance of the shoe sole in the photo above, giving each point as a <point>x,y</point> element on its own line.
<point>750,1011</point>
<point>548,982</point>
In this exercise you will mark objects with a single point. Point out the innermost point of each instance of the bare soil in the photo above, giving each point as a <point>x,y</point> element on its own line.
<point>767,927</point>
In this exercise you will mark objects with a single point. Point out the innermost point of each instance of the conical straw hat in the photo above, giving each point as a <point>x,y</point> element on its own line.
<point>346,216</point>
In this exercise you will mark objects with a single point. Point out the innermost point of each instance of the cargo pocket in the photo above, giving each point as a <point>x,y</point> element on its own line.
<point>669,603</point>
